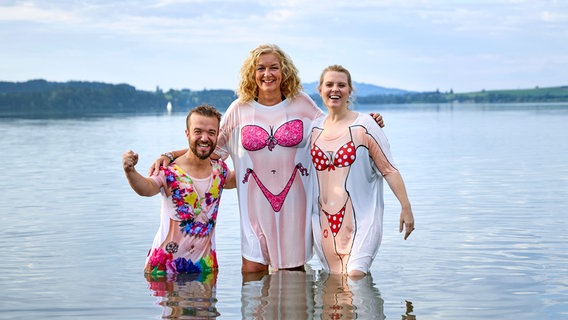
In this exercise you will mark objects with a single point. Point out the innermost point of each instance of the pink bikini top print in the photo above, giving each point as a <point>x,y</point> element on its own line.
<point>289,134</point>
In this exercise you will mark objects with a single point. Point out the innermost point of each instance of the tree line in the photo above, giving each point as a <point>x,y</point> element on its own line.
<point>551,94</point>
<point>40,97</point>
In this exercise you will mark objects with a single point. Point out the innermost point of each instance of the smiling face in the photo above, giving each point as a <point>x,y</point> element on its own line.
<point>335,89</point>
<point>202,135</point>
<point>268,74</point>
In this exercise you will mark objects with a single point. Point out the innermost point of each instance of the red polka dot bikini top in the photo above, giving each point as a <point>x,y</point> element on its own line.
<point>344,157</point>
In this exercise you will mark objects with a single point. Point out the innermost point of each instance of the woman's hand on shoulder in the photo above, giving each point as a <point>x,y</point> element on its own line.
<point>378,118</point>
<point>162,161</point>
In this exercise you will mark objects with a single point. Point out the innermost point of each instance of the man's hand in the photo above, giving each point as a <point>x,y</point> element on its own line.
<point>129,160</point>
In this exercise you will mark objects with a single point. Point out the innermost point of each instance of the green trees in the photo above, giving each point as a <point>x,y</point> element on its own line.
<point>40,97</point>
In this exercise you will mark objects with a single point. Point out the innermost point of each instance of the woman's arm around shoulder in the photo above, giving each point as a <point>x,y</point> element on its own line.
<point>164,160</point>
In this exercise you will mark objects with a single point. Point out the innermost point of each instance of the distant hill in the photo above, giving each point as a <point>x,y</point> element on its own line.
<point>547,94</point>
<point>41,97</point>
<point>361,89</point>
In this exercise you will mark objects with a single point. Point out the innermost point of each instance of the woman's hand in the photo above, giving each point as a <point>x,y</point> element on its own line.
<point>378,119</point>
<point>406,222</point>
<point>162,161</point>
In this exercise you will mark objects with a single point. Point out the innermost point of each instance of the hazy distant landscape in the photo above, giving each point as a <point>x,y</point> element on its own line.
<point>81,97</point>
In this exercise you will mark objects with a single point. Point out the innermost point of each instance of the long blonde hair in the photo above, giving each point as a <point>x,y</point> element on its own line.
<point>248,89</point>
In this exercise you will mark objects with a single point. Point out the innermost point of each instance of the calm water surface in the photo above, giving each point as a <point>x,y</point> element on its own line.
<point>488,185</point>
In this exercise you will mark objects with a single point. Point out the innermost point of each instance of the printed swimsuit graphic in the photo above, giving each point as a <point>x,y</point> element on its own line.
<point>335,220</point>
<point>256,138</point>
<point>289,134</point>
<point>344,157</point>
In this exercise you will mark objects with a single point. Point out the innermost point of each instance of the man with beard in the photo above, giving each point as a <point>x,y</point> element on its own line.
<point>191,188</point>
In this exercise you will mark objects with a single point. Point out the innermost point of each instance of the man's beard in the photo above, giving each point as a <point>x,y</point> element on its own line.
<point>201,156</point>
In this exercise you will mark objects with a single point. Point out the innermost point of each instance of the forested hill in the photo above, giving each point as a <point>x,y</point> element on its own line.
<point>548,94</point>
<point>78,97</point>
<point>41,97</point>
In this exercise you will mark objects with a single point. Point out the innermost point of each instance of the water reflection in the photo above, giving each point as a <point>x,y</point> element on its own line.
<point>279,295</point>
<point>185,296</point>
<point>340,297</point>
<point>409,309</point>
<point>309,295</point>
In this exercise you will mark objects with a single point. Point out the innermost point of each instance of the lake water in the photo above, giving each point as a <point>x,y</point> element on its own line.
<point>488,185</point>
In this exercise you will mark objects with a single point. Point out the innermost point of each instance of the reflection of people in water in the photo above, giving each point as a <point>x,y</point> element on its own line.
<point>301,295</point>
<point>187,296</point>
<point>339,297</point>
<point>280,295</point>
<point>409,309</point>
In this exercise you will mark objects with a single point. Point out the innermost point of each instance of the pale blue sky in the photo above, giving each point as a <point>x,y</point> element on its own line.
<point>196,44</point>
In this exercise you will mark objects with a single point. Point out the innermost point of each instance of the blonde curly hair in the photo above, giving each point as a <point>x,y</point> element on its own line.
<point>248,89</point>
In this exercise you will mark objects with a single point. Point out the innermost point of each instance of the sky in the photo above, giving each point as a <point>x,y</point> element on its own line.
<point>417,45</point>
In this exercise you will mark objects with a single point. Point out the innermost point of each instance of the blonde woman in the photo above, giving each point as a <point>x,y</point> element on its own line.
<point>351,157</point>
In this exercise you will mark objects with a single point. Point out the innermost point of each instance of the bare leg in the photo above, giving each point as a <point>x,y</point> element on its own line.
<point>298,268</point>
<point>337,249</point>
<point>253,267</point>
<point>356,274</point>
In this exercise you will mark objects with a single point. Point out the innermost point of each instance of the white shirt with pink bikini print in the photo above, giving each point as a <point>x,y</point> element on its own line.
<point>270,151</point>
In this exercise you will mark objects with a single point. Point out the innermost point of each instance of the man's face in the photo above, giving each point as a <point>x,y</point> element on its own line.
<point>202,135</point>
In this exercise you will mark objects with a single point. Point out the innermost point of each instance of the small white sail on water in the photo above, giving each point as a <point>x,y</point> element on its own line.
<point>169,107</point>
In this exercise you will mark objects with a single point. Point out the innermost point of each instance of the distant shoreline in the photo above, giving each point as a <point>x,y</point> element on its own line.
<point>77,97</point>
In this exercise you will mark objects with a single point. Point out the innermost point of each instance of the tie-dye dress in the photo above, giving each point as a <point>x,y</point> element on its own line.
<point>185,241</point>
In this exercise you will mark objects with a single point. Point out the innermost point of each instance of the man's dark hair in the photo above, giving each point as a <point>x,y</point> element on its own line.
<point>204,110</point>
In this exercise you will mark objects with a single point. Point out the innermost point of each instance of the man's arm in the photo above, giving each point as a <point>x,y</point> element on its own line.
<point>141,185</point>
